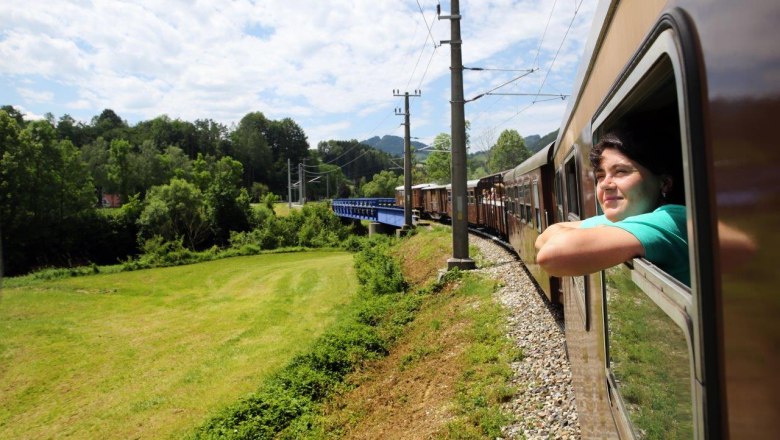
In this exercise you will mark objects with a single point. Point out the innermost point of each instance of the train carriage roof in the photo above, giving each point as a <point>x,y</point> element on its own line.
<point>538,160</point>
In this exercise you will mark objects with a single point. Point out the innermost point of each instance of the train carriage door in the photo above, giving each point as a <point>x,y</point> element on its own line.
<point>656,326</point>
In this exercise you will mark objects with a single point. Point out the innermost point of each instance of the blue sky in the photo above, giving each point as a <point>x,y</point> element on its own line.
<point>330,65</point>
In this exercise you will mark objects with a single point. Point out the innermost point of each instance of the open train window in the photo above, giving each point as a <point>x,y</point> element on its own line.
<point>572,189</point>
<point>559,196</point>
<point>652,324</point>
<point>536,206</point>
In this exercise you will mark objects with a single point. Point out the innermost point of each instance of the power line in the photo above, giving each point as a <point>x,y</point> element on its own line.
<point>528,72</point>
<point>571,23</point>
<point>538,49</point>
<point>422,49</point>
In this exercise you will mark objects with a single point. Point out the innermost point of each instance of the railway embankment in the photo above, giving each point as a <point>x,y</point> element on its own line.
<point>543,405</point>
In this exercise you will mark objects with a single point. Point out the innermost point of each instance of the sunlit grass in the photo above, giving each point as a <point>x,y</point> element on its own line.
<point>149,354</point>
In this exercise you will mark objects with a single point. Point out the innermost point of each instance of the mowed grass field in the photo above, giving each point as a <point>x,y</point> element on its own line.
<point>150,354</point>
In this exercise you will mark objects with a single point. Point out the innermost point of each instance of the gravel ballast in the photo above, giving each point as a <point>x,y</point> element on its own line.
<point>544,406</point>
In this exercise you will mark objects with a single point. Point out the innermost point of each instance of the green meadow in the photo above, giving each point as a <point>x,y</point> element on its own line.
<point>152,353</point>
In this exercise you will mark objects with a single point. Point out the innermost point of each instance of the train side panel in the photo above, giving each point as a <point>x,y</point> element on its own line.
<point>619,28</point>
<point>529,206</point>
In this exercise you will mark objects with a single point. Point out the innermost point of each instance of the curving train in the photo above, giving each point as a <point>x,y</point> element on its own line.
<point>650,356</point>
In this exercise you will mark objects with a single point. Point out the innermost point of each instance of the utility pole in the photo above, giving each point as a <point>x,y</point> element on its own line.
<point>289,185</point>
<point>303,182</point>
<point>300,183</point>
<point>407,157</point>
<point>460,235</point>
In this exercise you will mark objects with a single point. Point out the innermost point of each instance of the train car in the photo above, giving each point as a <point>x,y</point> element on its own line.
<point>650,356</point>
<point>490,204</point>
<point>418,203</point>
<point>529,205</point>
<point>435,202</point>
<point>471,202</point>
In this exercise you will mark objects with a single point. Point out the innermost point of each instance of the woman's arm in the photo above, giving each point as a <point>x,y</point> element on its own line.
<point>566,250</point>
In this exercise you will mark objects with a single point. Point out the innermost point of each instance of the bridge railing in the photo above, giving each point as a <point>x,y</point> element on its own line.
<point>373,209</point>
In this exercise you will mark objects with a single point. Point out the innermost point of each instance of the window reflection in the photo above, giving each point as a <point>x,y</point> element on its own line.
<point>648,360</point>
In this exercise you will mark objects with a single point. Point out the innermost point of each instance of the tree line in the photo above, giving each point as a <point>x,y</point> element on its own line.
<point>177,180</point>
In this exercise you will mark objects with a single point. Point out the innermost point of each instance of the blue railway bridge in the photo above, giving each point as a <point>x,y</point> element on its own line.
<point>378,210</point>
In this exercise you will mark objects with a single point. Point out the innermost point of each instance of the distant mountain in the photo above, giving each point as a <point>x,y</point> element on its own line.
<point>390,144</point>
<point>536,143</point>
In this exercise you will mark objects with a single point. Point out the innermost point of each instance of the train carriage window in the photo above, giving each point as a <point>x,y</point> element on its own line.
<point>536,207</point>
<point>653,337</point>
<point>559,196</point>
<point>572,189</point>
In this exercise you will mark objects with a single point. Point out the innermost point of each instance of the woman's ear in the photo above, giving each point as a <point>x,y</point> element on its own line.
<point>667,183</point>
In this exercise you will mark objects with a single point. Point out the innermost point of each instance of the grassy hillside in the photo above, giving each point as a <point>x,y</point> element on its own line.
<point>149,354</point>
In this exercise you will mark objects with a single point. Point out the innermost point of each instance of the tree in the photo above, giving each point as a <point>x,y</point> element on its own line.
<point>227,202</point>
<point>173,211</point>
<point>45,190</point>
<point>508,152</point>
<point>250,147</point>
<point>287,140</point>
<point>109,126</point>
<point>438,165</point>
<point>382,185</point>
<point>14,114</point>
<point>119,169</point>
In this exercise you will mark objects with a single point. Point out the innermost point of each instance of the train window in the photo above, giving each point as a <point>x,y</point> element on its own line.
<point>559,196</point>
<point>649,356</point>
<point>653,328</point>
<point>522,202</point>
<point>572,189</point>
<point>536,207</point>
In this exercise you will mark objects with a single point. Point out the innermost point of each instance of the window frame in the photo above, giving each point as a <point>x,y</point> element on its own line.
<point>694,309</point>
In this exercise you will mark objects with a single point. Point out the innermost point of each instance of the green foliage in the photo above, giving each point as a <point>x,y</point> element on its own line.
<point>483,386</point>
<point>382,185</point>
<point>175,210</point>
<point>287,401</point>
<point>438,163</point>
<point>508,152</point>
<point>269,199</point>
<point>45,194</point>
<point>377,272</point>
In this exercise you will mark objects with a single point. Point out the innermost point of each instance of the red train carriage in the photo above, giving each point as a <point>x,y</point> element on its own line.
<point>418,202</point>
<point>473,211</point>
<point>435,201</point>
<point>490,202</point>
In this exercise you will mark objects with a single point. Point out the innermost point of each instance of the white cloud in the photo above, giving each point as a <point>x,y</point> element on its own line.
<point>334,61</point>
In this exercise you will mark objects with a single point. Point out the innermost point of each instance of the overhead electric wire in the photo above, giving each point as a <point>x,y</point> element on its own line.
<point>539,92</point>
<point>571,23</point>
<point>422,49</point>
<point>538,49</point>
<point>499,86</point>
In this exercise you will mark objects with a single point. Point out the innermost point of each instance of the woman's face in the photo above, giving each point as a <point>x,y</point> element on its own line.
<point>625,188</point>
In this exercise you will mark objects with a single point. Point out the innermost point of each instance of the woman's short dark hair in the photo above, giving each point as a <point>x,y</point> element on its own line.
<point>654,148</point>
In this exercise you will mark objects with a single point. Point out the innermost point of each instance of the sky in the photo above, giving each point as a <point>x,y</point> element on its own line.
<point>330,65</point>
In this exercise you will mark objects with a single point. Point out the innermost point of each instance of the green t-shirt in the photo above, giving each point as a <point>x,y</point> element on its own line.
<point>664,235</point>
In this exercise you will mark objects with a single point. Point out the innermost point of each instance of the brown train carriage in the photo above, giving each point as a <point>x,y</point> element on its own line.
<point>471,208</point>
<point>707,352</point>
<point>529,205</point>
<point>435,201</point>
<point>490,202</point>
<point>418,202</point>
